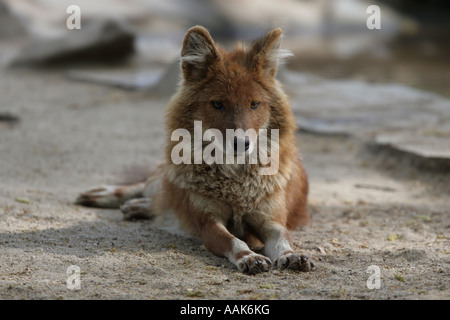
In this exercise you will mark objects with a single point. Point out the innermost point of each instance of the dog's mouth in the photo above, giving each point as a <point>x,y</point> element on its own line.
<point>219,146</point>
<point>241,146</point>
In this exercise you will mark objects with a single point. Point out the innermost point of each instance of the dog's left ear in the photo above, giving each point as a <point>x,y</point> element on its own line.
<point>265,54</point>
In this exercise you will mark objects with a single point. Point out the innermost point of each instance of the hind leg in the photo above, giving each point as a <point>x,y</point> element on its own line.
<point>110,196</point>
<point>139,208</point>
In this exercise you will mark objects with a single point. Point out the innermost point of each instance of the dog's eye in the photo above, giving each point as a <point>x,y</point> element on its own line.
<point>254,105</point>
<point>218,105</point>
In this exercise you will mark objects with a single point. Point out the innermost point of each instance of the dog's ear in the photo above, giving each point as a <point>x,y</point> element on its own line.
<point>198,53</point>
<point>265,54</point>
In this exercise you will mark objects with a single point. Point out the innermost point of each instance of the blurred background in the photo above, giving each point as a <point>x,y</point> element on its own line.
<point>388,86</point>
<point>329,38</point>
<point>79,106</point>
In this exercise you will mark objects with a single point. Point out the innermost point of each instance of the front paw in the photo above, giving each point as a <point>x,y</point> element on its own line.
<point>254,263</point>
<point>294,261</point>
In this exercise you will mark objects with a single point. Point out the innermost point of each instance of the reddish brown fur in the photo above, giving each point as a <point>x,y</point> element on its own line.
<point>236,79</point>
<point>229,80</point>
<point>231,207</point>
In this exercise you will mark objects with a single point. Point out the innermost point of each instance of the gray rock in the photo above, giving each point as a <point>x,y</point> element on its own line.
<point>391,116</point>
<point>96,41</point>
<point>158,82</point>
<point>10,25</point>
<point>129,80</point>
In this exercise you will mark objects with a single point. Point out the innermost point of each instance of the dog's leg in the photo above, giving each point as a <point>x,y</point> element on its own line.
<point>217,239</point>
<point>269,222</point>
<point>113,196</point>
<point>278,246</point>
<point>110,196</point>
<point>139,208</point>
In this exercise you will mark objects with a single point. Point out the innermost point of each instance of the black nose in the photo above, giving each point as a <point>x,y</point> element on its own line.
<point>247,144</point>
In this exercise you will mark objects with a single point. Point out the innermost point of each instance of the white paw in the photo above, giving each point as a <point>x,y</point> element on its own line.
<point>102,196</point>
<point>254,263</point>
<point>294,261</point>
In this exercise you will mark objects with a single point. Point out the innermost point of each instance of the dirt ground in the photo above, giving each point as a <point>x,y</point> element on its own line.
<point>367,209</point>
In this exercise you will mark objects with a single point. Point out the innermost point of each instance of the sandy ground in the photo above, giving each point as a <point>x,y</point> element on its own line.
<point>367,209</point>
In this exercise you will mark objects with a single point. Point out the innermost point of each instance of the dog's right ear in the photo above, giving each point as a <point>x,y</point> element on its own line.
<point>198,53</point>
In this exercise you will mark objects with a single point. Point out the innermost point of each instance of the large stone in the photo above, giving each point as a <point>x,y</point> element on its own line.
<point>391,116</point>
<point>126,79</point>
<point>157,81</point>
<point>10,25</point>
<point>96,41</point>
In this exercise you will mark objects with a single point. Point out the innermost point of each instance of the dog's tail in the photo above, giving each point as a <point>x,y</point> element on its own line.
<point>136,182</point>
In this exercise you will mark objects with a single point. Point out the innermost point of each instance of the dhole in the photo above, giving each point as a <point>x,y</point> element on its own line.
<point>230,207</point>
